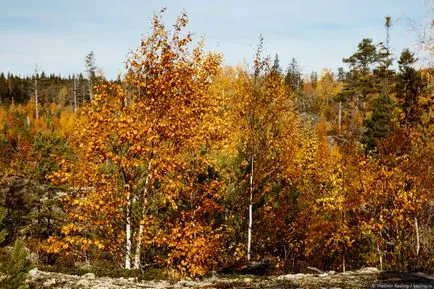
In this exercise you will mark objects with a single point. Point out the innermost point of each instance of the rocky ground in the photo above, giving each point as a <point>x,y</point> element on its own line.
<point>364,278</point>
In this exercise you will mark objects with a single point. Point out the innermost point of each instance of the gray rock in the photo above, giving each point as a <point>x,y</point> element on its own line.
<point>49,282</point>
<point>293,276</point>
<point>83,283</point>
<point>368,270</point>
<point>351,279</point>
<point>315,270</point>
<point>89,276</point>
<point>247,280</point>
<point>34,272</point>
<point>426,276</point>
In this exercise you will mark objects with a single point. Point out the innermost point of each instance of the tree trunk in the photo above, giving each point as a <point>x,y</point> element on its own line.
<point>141,226</point>
<point>128,234</point>
<point>417,236</point>
<point>249,232</point>
<point>90,89</point>
<point>36,99</point>
<point>380,255</point>
<point>340,118</point>
<point>75,93</point>
<point>343,261</point>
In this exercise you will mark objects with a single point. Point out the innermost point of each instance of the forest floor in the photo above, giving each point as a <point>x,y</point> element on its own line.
<point>364,278</point>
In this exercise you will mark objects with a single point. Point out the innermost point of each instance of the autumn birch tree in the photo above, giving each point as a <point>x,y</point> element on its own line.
<point>130,144</point>
<point>261,104</point>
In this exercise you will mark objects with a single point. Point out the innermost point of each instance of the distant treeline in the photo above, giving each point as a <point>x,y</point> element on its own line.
<point>51,88</point>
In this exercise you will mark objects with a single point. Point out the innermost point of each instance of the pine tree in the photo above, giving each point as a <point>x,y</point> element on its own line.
<point>14,268</point>
<point>360,83</point>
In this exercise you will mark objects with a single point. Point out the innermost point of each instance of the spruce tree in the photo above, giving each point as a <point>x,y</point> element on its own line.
<point>379,124</point>
<point>408,86</point>
<point>293,76</point>
<point>276,65</point>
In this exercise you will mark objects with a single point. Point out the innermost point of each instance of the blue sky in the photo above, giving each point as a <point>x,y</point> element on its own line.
<point>56,35</point>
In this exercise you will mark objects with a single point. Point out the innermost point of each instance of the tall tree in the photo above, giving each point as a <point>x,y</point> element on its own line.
<point>261,105</point>
<point>384,75</point>
<point>369,77</point>
<point>91,69</point>
<point>388,24</point>
<point>360,83</point>
<point>36,91</point>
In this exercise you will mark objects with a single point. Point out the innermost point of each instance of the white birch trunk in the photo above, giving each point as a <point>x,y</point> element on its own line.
<point>249,232</point>
<point>36,99</point>
<point>141,226</point>
<point>380,255</point>
<point>417,236</point>
<point>90,89</point>
<point>128,234</point>
<point>343,262</point>
<point>138,248</point>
